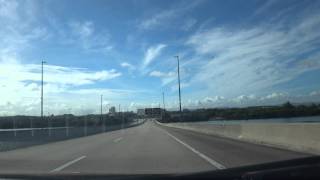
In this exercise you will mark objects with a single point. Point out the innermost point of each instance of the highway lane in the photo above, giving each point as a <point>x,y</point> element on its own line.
<point>233,153</point>
<point>149,148</point>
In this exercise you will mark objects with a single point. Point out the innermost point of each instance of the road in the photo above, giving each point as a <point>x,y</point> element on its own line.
<point>148,148</point>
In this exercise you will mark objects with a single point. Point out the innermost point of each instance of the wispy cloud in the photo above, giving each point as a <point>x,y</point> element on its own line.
<point>166,16</point>
<point>128,65</point>
<point>158,74</point>
<point>223,63</point>
<point>255,58</point>
<point>166,78</point>
<point>152,53</point>
<point>20,79</point>
<point>90,39</point>
<point>183,85</point>
<point>157,19</point>
<point>189,23</point>
<point>75,101</point>
<point>8,9</point>
<point>84,29</point>
<point>54,74</point>
<point>265,6</point>
<point>63,85</point>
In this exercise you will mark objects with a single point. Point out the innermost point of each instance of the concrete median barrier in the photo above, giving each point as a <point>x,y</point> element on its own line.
<point>18,138</point>
<point>302,137</point>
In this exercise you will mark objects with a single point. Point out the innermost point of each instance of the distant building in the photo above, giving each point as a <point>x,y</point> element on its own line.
<point>112,111</point>
<point>141,112</point>
<point>153,112</point>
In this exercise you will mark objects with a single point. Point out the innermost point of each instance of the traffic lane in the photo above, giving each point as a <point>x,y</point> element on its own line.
<point>232,153</point>
<point>143,150</point>
<point>44,158</point>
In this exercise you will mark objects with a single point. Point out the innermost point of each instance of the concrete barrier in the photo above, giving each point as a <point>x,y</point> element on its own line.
<point>302,137</point>
<point>9,139</point>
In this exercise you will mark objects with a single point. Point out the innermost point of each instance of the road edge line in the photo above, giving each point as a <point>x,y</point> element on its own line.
<point>208,159</point>
<point>117,140</point>
<point>67,164</point>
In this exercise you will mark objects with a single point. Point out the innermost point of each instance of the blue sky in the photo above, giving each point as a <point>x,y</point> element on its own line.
<point>233,53</point>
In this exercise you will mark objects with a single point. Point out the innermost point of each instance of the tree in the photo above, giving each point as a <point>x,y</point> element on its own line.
<point>288,105</point>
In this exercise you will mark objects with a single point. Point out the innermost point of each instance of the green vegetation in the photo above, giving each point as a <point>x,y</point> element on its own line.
<point>257,112</point>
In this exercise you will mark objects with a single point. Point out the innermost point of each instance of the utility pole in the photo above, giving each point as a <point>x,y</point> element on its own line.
<point>179,87</point>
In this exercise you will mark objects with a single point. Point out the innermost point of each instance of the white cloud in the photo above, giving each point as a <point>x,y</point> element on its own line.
<point>85,35</point>
<point>315,93</point>
<point>84,29</point>
<point>166,77</point>
<point>189,23</point>
<point>265,6</point>
<point>20,32</point>
<point>164,18</point>
<point>8,9</point>
<point>20,83</point>
<point>215,99</point>
<point>244,98</point>
<point>54,74</point>
<point>275,95</point>
<point>183,85</point>
<point>152,53</point>
<point>157,74</point>
<point>157,19</point>
<point>256,58</point>
<point>274,98</point>
<point>127,65</point>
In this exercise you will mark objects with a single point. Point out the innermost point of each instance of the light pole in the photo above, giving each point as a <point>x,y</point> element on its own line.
<point>85,129</point>
<point>31,121</point>
<point>42,62</point>
<point>164,107</point>
<point>179,87</point>
<point>67,122</point>
<point>107,115</point>
<point>14,127</point>
<point>121,116</point>
<point>49,125</point>
<point>101,117</point>
<point>119,110</point>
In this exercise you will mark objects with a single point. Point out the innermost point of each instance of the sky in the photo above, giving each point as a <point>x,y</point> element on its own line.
<point>232,54</point>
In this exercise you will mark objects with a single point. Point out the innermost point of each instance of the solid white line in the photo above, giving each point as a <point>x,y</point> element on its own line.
<point>209,160</point>
<point>117,140</point>
<point>76,172</point>
<point>67,164</point>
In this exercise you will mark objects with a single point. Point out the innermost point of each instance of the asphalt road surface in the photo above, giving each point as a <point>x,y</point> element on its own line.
<point>145,149</point>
